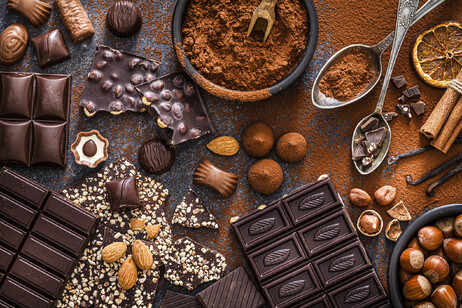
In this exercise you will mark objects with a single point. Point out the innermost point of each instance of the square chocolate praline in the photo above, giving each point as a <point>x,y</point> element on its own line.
<point>49,144</point>
<point>14,142</point>
<point>52,101</point>
<point>50,48</point>
<point>17,95</point>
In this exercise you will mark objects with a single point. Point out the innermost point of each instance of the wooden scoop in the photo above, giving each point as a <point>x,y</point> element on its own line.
<point>263,18</point>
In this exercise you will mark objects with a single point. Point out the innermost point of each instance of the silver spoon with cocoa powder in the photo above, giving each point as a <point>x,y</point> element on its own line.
<point>375,151</point>
<point>322,101</point>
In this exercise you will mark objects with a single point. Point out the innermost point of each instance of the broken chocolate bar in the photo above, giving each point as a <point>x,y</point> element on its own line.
<point>177,300</point>
<point>192,213</point>
<point>371,124</point>
<point>369,147</point>
<point>359,153</point>
<point>399,81</point>
<point>405,109</point>
<point>419,107</point>
<point>388,116</point>
<point>376,136</point>
<point>403,99</point>
<point>412,93</point>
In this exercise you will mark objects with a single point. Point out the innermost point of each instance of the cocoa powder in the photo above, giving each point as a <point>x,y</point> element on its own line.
<point>216,42</point>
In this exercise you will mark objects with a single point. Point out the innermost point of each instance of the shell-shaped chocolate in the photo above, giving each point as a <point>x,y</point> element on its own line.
<point>13,43</point>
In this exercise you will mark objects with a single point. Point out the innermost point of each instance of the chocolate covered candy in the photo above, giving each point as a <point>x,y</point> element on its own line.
<point>50,48</point>
<point>124,18</point>
<point>90,148</point>
<point>36,11</point>
<point>112,79</point>
<point>156,156</point>
<point>13,43</point>
<point>123,194</point>
<point>209,175</point>
<point>174,100</point>
<point>75,19</point>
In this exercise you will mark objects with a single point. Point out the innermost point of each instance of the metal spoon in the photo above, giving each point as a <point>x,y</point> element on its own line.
<point>375,53</point>
<point>404,17</point>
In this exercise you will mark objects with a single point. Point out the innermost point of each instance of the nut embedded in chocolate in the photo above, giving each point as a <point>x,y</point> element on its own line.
<point>124,19</point>
<point>123,194</point>
<point>388,116</point>
<point>208,175</point>
<point>405,109</point>
<point>90,148</point>
<point>156,156</point>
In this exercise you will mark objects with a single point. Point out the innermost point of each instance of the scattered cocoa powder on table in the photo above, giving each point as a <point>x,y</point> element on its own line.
<point>215,41</point>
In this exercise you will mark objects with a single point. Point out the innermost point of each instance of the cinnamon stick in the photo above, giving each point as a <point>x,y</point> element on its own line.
<point>453,137</point>
<point>443,109</point>
<point>443,142</point>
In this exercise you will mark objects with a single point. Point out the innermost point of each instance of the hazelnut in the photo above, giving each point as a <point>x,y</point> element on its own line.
<point>393,230</point>
<point>404,276</point>
<point>446,225</point>
<point>424,305</point>
<point>458,226</point>
<point>436,269</point>
<point>370,223</point>
<point>430,237</point>
<point>417,288</point>
<point>359,197</point>
<point>414,243</point>
<point>385,195</point>
<point>444,297</point>
<point>400,212</point>
<point>412,260</point>
<point>453,249</point>
<point>457,284</point>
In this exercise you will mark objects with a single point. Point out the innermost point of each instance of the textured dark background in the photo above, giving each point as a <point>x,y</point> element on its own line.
<point>328,132</point>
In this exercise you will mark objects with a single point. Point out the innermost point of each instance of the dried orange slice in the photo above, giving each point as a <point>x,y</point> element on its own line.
<point>437,53</point>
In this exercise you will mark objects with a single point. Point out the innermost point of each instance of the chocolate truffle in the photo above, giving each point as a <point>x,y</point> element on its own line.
<point>291,147</point>
<point>156,156</point>
<point>124,19</point>
<point>258,140</point>
<point>265,176</point>
<point>50,48</point>
<point>123,194</point>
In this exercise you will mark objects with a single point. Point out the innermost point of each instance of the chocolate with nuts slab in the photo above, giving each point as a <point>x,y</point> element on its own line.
<point>42,236</point>
<point>303,249</point>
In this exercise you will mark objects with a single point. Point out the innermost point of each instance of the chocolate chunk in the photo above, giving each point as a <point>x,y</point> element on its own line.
<point>359,153</point>
<point>412,93</point>
<point>235,289</point>
<point>367,161</point>
<point>419,107</point>
<point>75,19</point>
<point>208,175</point>
<point>50,48</point>
<point>190,264</point>
<point>176,300</point>
<point>175,101</point>
<point>124,19</point>
<point>371,124</point>
<point>376,136</point>
<point>156,156</point>
<point>369,147</point>
<point>388,116</point>
<point>90,148</point>
<point>34,114</point>
<point>399,81</point>
<point>403,99</point>
<point>405,109</point>
<point>111,80</point>
<point>192,213</point>
<point>13,42</point>
<point>123,194</point>
<point>36,11</point>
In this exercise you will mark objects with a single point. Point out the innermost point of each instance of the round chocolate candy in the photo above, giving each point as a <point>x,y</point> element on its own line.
<point>156,156</point>
<point>13,43</point>
<point>124,19</point>
<point>89,149</point>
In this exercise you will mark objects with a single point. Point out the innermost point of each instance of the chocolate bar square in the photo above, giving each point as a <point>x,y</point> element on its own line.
<point>44,151</point>
<point>50,48</point>
<point>14,142</point>
<point>17,95</point>
<point>321,302</point>
<point>52,105</point>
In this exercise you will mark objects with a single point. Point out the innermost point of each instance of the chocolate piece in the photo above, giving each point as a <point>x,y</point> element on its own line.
<point>399,81</point>
<point>2,303</point>
<point>405,109</point>
<point>22,296</point>
<point>376,136</point>
<point>156,156</point>
<point>13,42</point>
<point>75,19</point>
<point>388,116</point>
<point>371,124</point>
<point>366,161</point>
<point>22,187</point>
<point>191,212</point>
<point>190,264</point>
<point>412,93</point>
<point>175,101</point>
<point>177,300</point>
<point>6,257</point>
<point>235,290</point>
<point>369,147</point>
<point>50,48</point>
<point>38,138</point>
<point>208,175</point>
<point>36,11</point>
<point>111,82</point>
<point>310,258</point>
<point>419,107</point>
<point>15,211</point>
<point>123,194</point>
<point>359,153</point>
<point>10,235</point>
<point>403,99</point>
<point>124,19</point>
<point>90,148</point>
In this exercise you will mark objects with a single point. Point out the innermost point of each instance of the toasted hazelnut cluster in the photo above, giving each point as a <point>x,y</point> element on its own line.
<point>431,267</point>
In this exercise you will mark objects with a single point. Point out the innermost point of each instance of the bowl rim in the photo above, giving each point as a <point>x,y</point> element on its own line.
<point>393,264</point>
<point>244,96</point>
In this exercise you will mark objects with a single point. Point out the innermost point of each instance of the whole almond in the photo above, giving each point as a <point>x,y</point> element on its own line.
<point>152,230</point>
<point>224,145</point>
<point>359,197</point>
<point>385,195</point>
<point>113,252</point>
<point>128,274</point>
<point>142,255</point>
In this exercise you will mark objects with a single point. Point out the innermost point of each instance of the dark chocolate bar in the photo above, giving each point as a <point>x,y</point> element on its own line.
<point>177,300</point>
<point>34,116</point>
<point>42,235</point>
<point>304,252</point>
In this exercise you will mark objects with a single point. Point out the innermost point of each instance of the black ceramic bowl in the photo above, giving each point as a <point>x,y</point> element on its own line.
<point>394,286</point>
<point>244,96</point>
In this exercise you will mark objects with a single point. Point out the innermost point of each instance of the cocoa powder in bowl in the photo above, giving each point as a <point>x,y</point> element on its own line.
<point>216,43</point>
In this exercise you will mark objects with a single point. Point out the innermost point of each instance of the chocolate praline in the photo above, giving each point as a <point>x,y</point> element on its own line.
<point>124,19</point>
<point>156,156</point>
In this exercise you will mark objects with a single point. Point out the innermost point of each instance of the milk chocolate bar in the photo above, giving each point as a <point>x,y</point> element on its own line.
<point>42,235</point>
<point>304,252</point>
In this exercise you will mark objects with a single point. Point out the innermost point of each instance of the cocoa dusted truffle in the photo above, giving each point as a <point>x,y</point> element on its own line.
<point>258,139</point>
<point>265,176</point>
<point>291,147</point>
